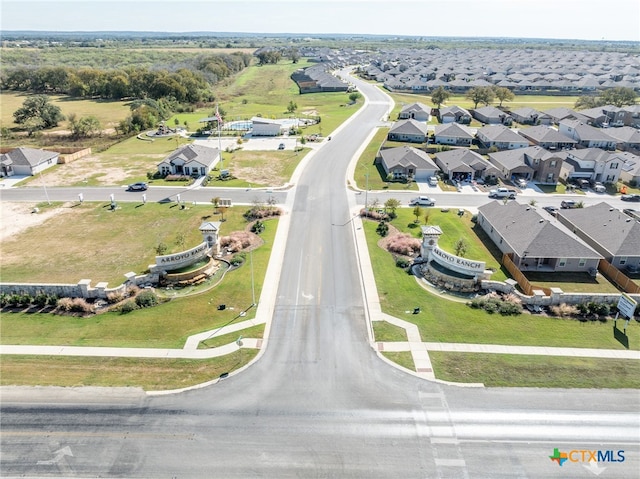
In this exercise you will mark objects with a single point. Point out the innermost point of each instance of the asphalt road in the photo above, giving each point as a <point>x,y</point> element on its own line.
<point>319,402</point>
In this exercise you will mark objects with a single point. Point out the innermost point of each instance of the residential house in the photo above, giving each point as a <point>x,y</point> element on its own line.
<point>593,164</point>
<point>453,134</point>
<point>418,111</point>
<point>27,161</point>
<point>536,241</point>
<point>609,231</point>
<point>462,164</point>
<point>407,162</point>
<point>532,163</point>
<point>547,137</point>
<point>450,114</point>
<point>408,130</point>
<point>626,137</point>
<point>587,135</point>
<point>501,137</point>
<point>530,116</point>
<point>561,113</point>
<point>608,115</point>
<point>630,171</point>
<point>190,160</point>
<point>491,115</point>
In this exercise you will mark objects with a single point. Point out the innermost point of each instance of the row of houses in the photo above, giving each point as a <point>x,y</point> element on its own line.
<point>573,241</point>
<point>531,163</point>
<point>189,160</point>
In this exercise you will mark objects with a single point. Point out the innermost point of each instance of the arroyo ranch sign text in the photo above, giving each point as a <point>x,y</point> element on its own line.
<point>184,258</point>
<point>457,263</point>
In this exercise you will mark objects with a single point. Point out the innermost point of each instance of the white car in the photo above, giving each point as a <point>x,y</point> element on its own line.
<point>422,201</point>
<point>433,181</point>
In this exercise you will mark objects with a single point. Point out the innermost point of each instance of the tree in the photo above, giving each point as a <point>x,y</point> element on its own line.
<point>83,127</point>
<point>161,248</point>
<point>37,113</point>
<point>382,229</point>
<point>503,94</point>
<point>480,94</point>
<point>439,96</point>
<point>354,97</point>
<point>417,212</point>
<point>618,96</point>
<point>291,107</point>
<point>391,205</point>
<point>584,102</point>
<point>293,54</point>
<point>460,247</point>
<point>427,217</point>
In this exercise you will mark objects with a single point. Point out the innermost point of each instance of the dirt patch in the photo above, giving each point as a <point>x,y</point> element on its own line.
<point>18,217</point>
<point>310,112</point>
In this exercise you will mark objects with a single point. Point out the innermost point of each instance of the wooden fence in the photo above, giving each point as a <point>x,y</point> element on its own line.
<point>525,285</point>
<point>617,277</point>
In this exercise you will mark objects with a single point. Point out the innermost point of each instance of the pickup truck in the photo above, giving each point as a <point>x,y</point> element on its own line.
<point>503,193</point>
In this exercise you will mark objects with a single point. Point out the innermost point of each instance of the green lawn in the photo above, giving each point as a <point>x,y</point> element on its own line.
<point>387,332</point>
<point>149,374</point>
<point>402,358</point>
<point>447,321</point>
<point>498,370</point>
<point>165,326</point>
<point>108,112</point>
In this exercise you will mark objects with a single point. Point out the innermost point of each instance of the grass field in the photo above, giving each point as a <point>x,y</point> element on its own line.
<point>387,332</point>
<point>149,374</point>
<point>108,112</point>
<point>167,325</point>
<point>442,320</point>
<point>499,370</point>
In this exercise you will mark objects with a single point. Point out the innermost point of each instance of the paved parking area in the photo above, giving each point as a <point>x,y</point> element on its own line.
<point>257,144</point>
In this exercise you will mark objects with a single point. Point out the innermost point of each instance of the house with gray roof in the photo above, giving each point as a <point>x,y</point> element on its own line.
<point>454,113</point>
<point>630,171</point>
<point>530,116</point>
<point>607,230</point>
<point>26,161</point>
<point>407,162</point>
<point>453,134</point>
<point>190,160</point>
<point>561,113</point>
<point>536,241</point>
<point>593,164</point>
<point>490,115</point>
<point>408,130</point>
<point>462,164</point>
<point>587,135</point>
<point>501,137</point>
<point>418,111</point>
<point>547,137</point>
<point>532,163</point>
<point>627,137</point>
<point>607,115</point>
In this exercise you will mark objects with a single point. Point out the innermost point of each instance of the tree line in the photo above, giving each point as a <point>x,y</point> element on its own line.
<point>189,85</point>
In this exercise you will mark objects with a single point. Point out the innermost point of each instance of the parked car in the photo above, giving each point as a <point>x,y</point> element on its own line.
<point>503,193</point>
<point>599,187</point>
<point>422,201</point>
<point>281,146</point>
<point>552,210</point>
<point>433,181</point>
<point>568,204</point>
<point>140,186</point>
<point>633,213</point>
<point>521,183</point>
<point>631,197</point>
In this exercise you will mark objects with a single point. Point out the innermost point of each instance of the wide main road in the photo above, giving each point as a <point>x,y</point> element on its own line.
<point>319,403</point>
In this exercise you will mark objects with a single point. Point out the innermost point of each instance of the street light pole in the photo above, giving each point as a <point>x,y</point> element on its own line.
<point>44,185</point>
<point>366,191</point>
<point>253,289</point>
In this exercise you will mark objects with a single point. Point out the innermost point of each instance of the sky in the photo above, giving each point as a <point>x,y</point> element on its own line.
<point>558,19</point>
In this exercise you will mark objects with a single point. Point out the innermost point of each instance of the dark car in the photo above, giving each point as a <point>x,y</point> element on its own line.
<point>568,204</point>
<point>633,197</point>
<point>140,186</point>
<point>552,210</point>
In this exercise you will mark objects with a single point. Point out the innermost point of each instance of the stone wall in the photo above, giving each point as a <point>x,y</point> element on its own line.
<point>81,290</point>
<point>556,297</point>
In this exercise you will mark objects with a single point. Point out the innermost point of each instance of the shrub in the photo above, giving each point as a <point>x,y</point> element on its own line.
<point>41,299</point>
<point>128,306</point>
<point>64,305</point>
<point>237,259</point>
<point>382,229</point>
<point>563,310</point>
<point>115,297</point>
<point>506,308</point>
<point>147,299</point>
<point>74,305</point>
<point>236,241</point>
<point>374,214</point>
<point>257,227</point>
<point>402,263</point>
<point>133,290</point>
<point>261,212</point>
<point>404,244</point>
